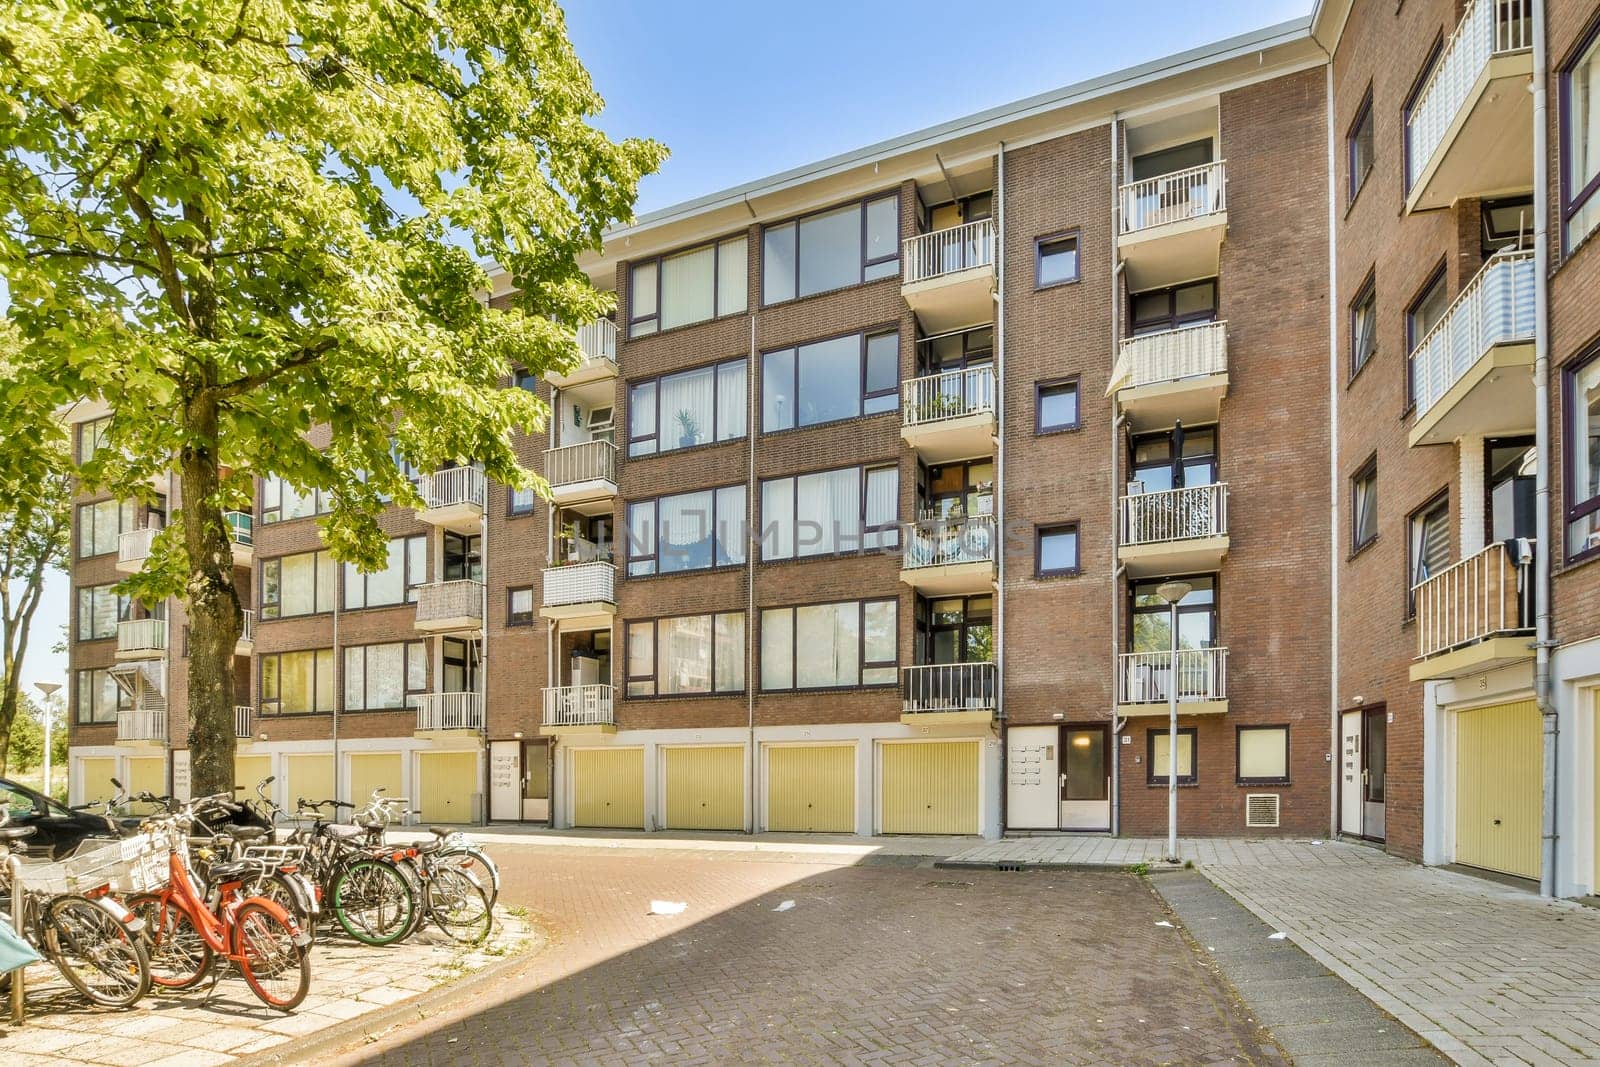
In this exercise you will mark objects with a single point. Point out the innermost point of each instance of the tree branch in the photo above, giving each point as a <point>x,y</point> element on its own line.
<point>306,356</point>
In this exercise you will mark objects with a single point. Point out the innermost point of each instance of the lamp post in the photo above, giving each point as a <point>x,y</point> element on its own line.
<point>1172,592</point>
<point>47,690</point>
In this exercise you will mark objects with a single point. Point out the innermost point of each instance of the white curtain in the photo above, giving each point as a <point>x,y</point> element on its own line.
<point>730,653</point>
<point>730,525</point>
<point>685,654</point>
<point>731,401</point>
<point>686,409</point>
<point>777,519</point>
<point>828,645</point>
<point>777,648</point>
<point>386,676</point>
<point>883,505</point>
<point>688,287</point>
<point>732,279</point>
<point>830,506</point>
<point>686,526</point>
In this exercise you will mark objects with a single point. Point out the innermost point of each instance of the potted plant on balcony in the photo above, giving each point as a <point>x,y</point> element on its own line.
<point>688,429</point>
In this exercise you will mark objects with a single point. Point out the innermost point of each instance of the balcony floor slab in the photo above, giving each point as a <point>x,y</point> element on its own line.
<point>591,615</point>
<point>1173,252</point>
<point>583,730</point>
<point>1473,659</point>
<point>1185,707</point>
<point>1194,555</point>
<point>450,624</point>
<point>593,497</point>
<point>457,518</point>
<point>1493,398</point>
<point>950,578</point>
<point>947,440</point>
<point>1488,148</point>
<point>965,718</point>
<point>1159,404</point>
<point>950,301</point>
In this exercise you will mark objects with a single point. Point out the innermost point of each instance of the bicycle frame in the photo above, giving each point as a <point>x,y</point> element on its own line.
<point>218,931</point>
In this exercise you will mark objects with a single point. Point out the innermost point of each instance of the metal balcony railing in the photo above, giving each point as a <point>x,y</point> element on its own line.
<point>1146,677</point>
<point>580,583</point>
<point>1175,515</point>
<point>948,395</point>
<point>1488,594</point>
<point>448,488</point>
<point>142,724</point>
<point>587,461</point>
<point>598,341</point>
<point>943,542</point>
<point>133,546</point>
<point>459,599</point>
<point>931,688</point>
<point>243,721</point>
<point>1495,308</point>
<point>247,625</point>
<point>1172,355</point>
<point>241,527</point>
<point>1487,29</point>
<point>949,251</point>
<point>1174,197</point>
<point>449,711</point>
<point>579,705</point>
<point>142,635</point>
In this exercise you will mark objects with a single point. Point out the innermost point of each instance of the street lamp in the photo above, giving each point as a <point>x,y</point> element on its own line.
<point>47,690</point>
<point>1172,592</point>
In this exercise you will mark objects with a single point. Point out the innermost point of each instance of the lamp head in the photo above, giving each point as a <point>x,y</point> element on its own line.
<point>1172,592</point>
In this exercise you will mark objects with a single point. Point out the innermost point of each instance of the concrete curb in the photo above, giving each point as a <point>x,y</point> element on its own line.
<point>1048,865</point>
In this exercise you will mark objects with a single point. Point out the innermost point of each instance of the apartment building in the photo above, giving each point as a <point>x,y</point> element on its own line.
<point>906,491</point>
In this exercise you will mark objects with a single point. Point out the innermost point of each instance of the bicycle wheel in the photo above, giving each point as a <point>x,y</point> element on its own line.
<point>179,956</point>
<point>470,858</point>
<point>373,902</point>
<point>275,968</point>
<point>96,952</point>
<point>460,905</point>
<point>275,887</point>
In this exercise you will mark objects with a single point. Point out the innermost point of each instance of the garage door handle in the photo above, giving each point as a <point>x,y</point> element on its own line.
<point>1497,822</point>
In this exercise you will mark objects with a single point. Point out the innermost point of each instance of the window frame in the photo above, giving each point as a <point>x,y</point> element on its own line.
<point>515,617</point>
<point>1574,510</point>
<point>1364,116</point>
<point>515,512</point>
<point>654,557</point>
<point>130,508</point>
<point>1150,776</point>
<point>862,663</point>
<point>1366,293</point>
<point>261,597</point>
<point>1421,513</point>
<point>860,203</point>
<point>1071,381</point>
<point>654,677</point>
<point>1572,200</point>
<point>261,682</point>
<point>341,675</point>
<point>890,532</point>
<point>1076,236</point>
<point>1368,468</point>
<point>1042,530</point>
<point>1239,731</point>
<point>321,502</point>
<point>715,244</point>
<point>99,429</point>
<point>1436,278</point>
<point>406,579</point>
<point>716,408</point>
<point>124,701</point>
<point>863,336</point>
<point>124,610</point>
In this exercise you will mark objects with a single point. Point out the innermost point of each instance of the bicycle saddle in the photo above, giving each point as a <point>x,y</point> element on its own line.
<point>235,871</point>
<point>341,832</point>
<point>16,833</point>
<point>440,831</point>
<point>247,833</point>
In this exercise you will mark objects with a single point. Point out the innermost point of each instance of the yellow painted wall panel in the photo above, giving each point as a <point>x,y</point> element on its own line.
<point>309,775</point>
<point>446,782</point>
<point>145,774</point>
<point>811,788</point>
<point>373,770</point>
<point>929,788</point>
<point>1499,777</point>
<point>705,787</point>
<point>248,772</point>
<point>97,774</point>
<point>608,787</point>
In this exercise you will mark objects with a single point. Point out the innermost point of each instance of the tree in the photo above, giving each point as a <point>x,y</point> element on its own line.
<point>25,744</point>
<point>236,221</point>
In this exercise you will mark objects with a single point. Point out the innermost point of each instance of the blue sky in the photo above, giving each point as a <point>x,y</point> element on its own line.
<point>738,91</point>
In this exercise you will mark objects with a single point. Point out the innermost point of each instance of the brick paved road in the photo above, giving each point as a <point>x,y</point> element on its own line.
<point>874,964</point>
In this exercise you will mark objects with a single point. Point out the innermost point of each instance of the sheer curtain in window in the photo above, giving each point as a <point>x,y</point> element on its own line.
<point>686,529</point>
<point>731,403</point>
<point>732,281</point>
<point>883,504</point>
<point>685,655</point>
<point>729,639</point>
<point>688,287</point>
<point>730,525</point>
<point>827,645</point>
<point>829,512</point>
<point>687,409</point>
<point>777,519</point>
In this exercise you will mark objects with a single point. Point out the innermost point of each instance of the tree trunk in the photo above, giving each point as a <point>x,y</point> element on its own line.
<point>212,603</point>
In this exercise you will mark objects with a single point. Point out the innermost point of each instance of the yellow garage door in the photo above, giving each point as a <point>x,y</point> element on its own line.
<point>96,774</point>
<point>146,774</point>
<point>374,770</point>
<point>1499,776</point>
<point>811,787</point>
<point>445,784</point>
<point>705,787</point>
<point>930,787</point>
<point>248,772</point>
<point>608,787</point>
<point>309,775</point>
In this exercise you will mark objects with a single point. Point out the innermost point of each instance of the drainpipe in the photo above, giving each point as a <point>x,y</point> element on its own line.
<point>483,650</point>
<point>750,547</point>
<point>1544,640</point>
<point>1116,498</point>
<point>1000,476</point>
<point>338,685</point>
<point>1334,742</point>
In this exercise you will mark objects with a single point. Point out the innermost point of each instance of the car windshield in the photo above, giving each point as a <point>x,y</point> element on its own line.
<point>20,803</point>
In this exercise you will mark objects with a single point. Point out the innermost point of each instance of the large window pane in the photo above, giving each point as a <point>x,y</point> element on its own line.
<point>729,658</point>
<point>830,380</point>
<point>827,646</point>
<point>830,251</point>
<point>355,679</point>
<point>878,642</point>
<point>732,278</point>
<point>688,292</point>
<point>777,264</point>
<point>687,408</point>
<point>686,531</point>
<point>684,654</point>
<point>732,404</point>
<point>777,519</point>
<point>777,390</point>
<point>1263,752</point>
<point>777,649</point>
<point>1583,143</point>
<point>730,525</point>
<point>883,234</point>
<point>386,676</point>
<point>829,504</point>
<point>883,508</point>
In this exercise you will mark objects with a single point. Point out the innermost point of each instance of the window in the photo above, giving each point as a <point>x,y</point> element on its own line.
<point>694,407</point>
<point>1055,406</point>
<point>397,583</point>
<point>1158,765</point>
<point>1363,325</point>
<point>99,611</point>
<point>954,630</point>
<point>1057,550</point>
<point>1364,505</point>
<point>685,655</point>
<point>825,381</point>
<point>462,557</point>
<point>1055,260</point>
<point>297,585</point>
<point>99,697</point>
<point>1582,437</point>
<point>297,683</point>
<point>1263,754</point>
<point>281,501</point>
<point>1421,317</point>
<point>1158,310</point>
<point>100,524</point>
<point>692,286</point>
<point>1507,223</point>
<point>823,646</point>
<point>1359,140</point>
<point>1430,545</point>
<point>831,250</point>
<point>1150,623</point>
<point>519,606</point>
<point>379,677</point>
<point>1580,141</point>
<point>520,502</point>
<point>92,437</point>
<point>851,509</point>
<point>687,532</point>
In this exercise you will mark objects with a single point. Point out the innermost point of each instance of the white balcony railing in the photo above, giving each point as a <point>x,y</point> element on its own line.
<point>452,487</point>
<point>1488,594</point>
<point>133,546</point>
<point>142,635</point>
<point>241,527</point>
<point>1174,197</point>
<point>1146,677</point>
<point>460,599</point>
<point>950,251</point>
<point>931,688</point>
<point>1487,29</point>
<point>1175,514</point>
<point>944,542</point>
<point>1495,308</point>
<point>449,711</point>
<point>247,626</point>
<point>243,721</point>
<point>142,724</point>
<point>1172,355</point>
<point>580,583</point>
<point>587,461</point>
<point>949,395</point>
<point>578,705</point>
<point>598,341</point>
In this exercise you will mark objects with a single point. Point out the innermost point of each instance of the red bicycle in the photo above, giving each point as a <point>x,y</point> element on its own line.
<point>191,928</point>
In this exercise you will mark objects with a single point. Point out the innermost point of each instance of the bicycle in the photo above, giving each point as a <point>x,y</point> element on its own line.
<point>451,896</point>
<point>458,846</point>
<point>371,897</point>
<point>192,931</point>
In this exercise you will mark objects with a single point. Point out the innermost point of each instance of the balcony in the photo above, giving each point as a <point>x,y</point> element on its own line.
<point>1172,376</point>
<point>241,534</point>
<point>1470,132</point>
<point>1145,682</point>
<point>947,276</point>
<point>948,694</point>
<point>246,643</point>
<point>1172,226</point>
<point>581,596</point>
<point>141,639</point>
<point>450,607</point>
<point>949,416</point>
<point>244,722</point>
<point>1476,615</point>
<point>583,476</point>
<point>448,713</point>
<point>944,557</point>
<point>133,548</point>
<point>1473,372</point>
<point>1175,531</point>
<point>597,362</point>
<point>142,727</point>
<point>453,498</point>
<point>579,709</point>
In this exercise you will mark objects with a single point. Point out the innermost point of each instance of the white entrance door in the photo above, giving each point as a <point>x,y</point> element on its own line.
<point>1351,788</point>
<point>505,779</point>
<point>1032,767</point>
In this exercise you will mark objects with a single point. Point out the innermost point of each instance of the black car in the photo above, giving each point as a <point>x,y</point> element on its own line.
<point>57,829</point>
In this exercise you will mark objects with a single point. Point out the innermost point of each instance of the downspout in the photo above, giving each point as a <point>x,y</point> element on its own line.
<point>750,547</point>
<point>1116,498</point>
<point>1544,640</point>
<point>338,683</point>
<point>483,649</point>
<point>1334,738</point>
<point>1000,477</point>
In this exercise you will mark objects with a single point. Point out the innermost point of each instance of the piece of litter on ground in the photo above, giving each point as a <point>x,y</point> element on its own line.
<point>1279,936</point>
<point>1316,842</point>
<point>668,907</point>
<point>1163,922</point>
<point>785,906</point>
